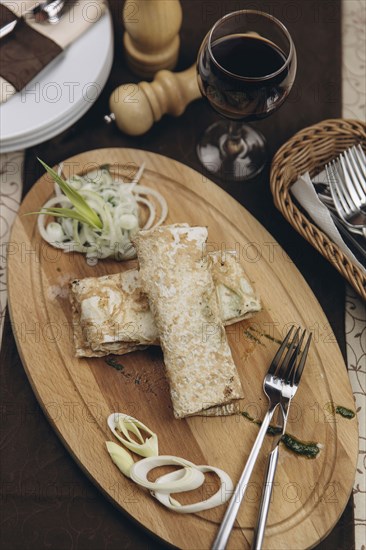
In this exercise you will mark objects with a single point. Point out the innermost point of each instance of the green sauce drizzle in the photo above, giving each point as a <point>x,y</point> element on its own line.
<point>308,449</point>
<point>346,413</point>
<point>268,336</point>
<point>251,336</point>
<point>114,363</point>
<point>338,409</point>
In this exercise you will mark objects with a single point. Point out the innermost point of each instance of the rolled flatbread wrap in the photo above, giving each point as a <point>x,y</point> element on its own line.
<point>97,305</point>
<point>176,277</point>
<point>236,297</point>
<point>111,314</point>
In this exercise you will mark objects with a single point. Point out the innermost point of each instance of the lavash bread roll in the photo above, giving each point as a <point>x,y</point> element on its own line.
<point>175,274</point>
<point>236,297</point>
<point>111,314</point>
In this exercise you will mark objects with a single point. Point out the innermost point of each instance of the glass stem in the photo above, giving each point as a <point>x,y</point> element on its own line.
<point>234,143</point>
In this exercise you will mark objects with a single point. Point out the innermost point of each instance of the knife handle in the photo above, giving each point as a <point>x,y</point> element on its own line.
<point>6,29</point>
<point>266,499</point>
<point>34,13</point>
<point>232,510</point>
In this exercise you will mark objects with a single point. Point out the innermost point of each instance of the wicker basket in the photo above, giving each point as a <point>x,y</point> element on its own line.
<point>309,150</point>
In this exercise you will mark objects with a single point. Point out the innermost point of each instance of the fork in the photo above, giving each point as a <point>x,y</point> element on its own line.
<point>53,11</point>
<point>288,392</point>
<point>350,228</point>
<point>353,162</point>
<point>277,388</point>
<point>348,190</point>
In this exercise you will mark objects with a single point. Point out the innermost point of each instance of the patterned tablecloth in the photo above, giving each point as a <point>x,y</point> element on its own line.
<point>354,106</point>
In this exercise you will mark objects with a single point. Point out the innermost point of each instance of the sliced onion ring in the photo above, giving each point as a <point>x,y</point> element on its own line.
<point>100,244</point>
<point>186,479</point>
<point>127,423</point>
<point>220,497</point>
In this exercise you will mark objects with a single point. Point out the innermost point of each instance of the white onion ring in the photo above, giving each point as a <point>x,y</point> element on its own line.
<point>186,479</point>
<point>42,218</point>
<point>142,190</point>
<point>147,447</point>
<point>137,177</point>
<point>99,244</point>
<point>152,212</point>
<point>220,497</point>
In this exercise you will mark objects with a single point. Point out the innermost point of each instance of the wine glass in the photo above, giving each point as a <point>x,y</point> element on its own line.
<point>245,68</point>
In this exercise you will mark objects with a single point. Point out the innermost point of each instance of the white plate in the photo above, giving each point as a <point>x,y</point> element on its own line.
<point>61,93</point>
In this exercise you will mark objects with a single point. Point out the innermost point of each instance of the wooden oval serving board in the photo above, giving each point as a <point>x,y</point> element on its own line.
<point>78,395</point>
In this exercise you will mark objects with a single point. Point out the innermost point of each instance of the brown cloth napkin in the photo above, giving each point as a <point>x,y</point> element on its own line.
<point>31,46</point>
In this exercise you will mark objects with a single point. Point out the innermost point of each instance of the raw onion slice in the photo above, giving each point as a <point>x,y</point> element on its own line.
<point>220,497</point>
<point>143,190</point>
<point>118,207</point>
<point>185,479</point>
<point>125,424</point>
<point>122,459</point>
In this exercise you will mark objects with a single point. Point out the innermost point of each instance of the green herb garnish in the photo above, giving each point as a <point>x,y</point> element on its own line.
<point>82,212</point>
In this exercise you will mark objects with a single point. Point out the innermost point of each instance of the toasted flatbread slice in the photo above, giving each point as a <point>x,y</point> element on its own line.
<point>176,277</point>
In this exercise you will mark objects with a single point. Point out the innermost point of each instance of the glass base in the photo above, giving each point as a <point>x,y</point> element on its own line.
<point>232,151</point>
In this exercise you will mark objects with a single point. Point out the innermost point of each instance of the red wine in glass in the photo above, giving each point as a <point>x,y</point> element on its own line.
<point>245,74</point>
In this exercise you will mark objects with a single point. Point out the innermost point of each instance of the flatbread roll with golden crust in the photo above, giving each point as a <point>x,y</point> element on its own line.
<point>93,299</point>
<point>176,277</point>
<point>236,297</point>
<point>111,314</point>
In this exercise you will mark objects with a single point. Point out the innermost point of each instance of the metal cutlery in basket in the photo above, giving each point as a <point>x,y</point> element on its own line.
<point>346,177</point>
<point>280,385</point>
<point>353,161</point>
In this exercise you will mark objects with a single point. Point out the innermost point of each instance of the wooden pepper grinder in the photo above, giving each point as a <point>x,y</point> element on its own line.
<point>151,39</point>
<point>135,107</point>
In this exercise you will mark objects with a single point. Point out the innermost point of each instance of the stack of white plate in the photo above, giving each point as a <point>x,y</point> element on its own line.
<point>61,93</point>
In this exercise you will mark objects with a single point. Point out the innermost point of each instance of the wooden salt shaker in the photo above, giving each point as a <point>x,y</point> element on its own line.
<point>151,39</point>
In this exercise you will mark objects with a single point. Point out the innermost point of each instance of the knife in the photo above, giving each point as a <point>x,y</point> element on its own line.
<point>358,250</point>
<point>282,416</point>
<point>35,12</point>
<point>356,247</point>
<point>44,11</point>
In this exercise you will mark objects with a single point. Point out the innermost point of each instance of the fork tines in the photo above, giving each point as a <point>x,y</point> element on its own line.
<point>354,175</point>
<point>346,177</point>
<point>290,369</point>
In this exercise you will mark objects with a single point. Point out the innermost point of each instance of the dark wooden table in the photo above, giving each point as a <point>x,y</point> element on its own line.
<point>47,502</point>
